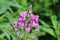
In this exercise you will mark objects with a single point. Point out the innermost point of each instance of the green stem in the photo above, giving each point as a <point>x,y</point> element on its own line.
<point>25,35</point>
<point>11,10</point>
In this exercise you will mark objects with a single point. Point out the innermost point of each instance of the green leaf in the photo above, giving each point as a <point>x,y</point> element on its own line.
<point>6,4</point>
<point>14,4</point>
<point>47,3</point>
<point>58,28</point>
<point>6,33</point>
<point>2,36</point>
<point>54,1</point>
<point>24,3</point>
<point>48,30</point>
<point>31,36</point>
<point>43,23</point>
<point>4,25</point>
<point>54,20</point>
<point>10,17</point>
<point>3,6</point>
<point>1,18</point>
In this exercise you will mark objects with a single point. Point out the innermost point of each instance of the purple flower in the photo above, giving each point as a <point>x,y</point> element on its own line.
<point>28,27</point>
<point>21,18</point>
<point>16,24</point>
<point>17,32</point>
<point>23,14</point>
<point>36,38</point>
<point>34,17</point>
<point>37,30</point>
<point>23,21</point>
<point>20,21</point>
<point>34,20</point>
<point>34,23</point>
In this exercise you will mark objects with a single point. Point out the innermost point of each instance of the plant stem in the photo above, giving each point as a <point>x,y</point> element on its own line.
<point>25,35</point>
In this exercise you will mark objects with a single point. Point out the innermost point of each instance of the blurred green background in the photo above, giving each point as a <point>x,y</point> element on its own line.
<point>49,17</point>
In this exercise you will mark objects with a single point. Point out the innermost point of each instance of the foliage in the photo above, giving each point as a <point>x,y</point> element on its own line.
<point>48,11</point>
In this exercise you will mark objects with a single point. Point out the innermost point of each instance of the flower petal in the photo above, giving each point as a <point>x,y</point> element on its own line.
<point>16,24</point>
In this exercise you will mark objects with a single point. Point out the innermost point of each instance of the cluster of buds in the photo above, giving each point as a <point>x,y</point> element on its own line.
<point>27,21</point>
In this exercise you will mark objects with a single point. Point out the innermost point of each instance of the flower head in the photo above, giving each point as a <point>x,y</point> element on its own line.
<point>27,23</point>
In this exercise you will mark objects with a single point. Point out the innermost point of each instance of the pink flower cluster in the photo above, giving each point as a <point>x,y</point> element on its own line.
<point>25,22</point>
